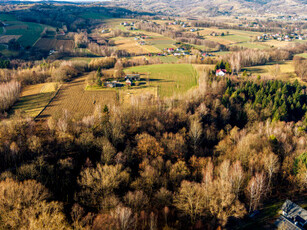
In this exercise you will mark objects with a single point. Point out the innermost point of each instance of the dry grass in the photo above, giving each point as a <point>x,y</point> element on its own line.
<point>127,96</point>
<point>39,88</point>
<point>130,45</point>
<point>34,98</point>
<point>200,68</point>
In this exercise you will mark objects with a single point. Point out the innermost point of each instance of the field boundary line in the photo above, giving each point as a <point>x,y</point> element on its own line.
<point>56,93</point>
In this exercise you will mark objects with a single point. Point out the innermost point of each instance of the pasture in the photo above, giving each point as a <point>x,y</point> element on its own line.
<point>28,32</point>
<point>162,43</point>
<point>168,59</point>
<point>252,45</point>
<point>170,79</point>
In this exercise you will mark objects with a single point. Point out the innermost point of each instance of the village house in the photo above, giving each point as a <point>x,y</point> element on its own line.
<point>112,84</point>
<point>220,72</point>
<point>104,31</point>
<point>129,82</point>
<point>133,77</point>
<point>293,217</point>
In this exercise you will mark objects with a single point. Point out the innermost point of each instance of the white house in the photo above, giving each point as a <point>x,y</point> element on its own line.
<point>220,72</point>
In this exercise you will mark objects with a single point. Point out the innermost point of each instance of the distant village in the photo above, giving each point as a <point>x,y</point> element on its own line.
<point>282,37</point>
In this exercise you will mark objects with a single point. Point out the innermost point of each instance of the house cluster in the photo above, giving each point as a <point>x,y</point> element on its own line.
<point>127,24</point>
<point>205,54</point>
<point>129,81</point>
<point>293,217</point>
<point>183,24</point>
<point>214,34</point>
<point>282,37</point>
<point>194,29</point>
<point>60,32</point>
<point>51,52</point>
<point>141,38</point>
<point>131,78</point>
<point>104,31</point>
<point>177,51</point>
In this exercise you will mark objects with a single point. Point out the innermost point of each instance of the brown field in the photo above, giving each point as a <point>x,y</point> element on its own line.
<point>49,44</point>
<point>78,102</point>
<point>7,38</point>
<point>130,46</point>
<point>203,67</point>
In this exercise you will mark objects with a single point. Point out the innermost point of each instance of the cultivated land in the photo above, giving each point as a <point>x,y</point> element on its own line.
<point>54,44</point>
<point>78,102</point>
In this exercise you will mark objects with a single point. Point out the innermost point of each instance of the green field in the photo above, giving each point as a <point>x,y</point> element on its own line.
<point>163,44</point>
<point>168,59</point>
<point>171,79</point>
<point>236,38</point>
<point>30,32</point>
<point>251,45</point>
<point>29,35</point>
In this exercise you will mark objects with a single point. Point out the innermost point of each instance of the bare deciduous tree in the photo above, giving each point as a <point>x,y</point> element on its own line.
<point>256,190</point>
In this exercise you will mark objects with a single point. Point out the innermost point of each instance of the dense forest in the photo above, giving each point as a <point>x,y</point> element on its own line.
<point>203,160</point>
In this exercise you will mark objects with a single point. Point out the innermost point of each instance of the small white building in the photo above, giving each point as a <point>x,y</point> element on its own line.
<point>220,72</point>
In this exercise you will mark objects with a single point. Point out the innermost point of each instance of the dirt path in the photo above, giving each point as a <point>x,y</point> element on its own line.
<point>73,98</point>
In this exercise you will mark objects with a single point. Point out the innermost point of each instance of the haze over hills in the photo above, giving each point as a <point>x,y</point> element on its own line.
<point>199,8</point>
<point>218,7</point>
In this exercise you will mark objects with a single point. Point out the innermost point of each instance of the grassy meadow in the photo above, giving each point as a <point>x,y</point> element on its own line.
<point>34,98</point>
<point>171,79</point>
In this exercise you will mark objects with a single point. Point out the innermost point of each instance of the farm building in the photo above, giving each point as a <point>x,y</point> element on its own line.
<point>220,72</point>
<point>292,217</point>
<point>133,77</point>
<point>129,82</point>
<point>112,84</point>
